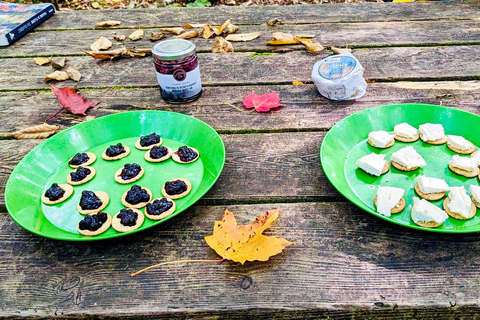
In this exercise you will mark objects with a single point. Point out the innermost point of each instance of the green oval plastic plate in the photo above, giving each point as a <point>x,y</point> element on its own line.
<point>48,163</point>
<point>347,141</point>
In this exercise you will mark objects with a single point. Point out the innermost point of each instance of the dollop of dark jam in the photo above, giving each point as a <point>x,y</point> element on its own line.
<point>80,174</point>
<point>158,207</point>
<point>136,195</point>
<point>130,170</point>
<point>128,217</point>
<point>89,201</point>
<point>93,222</point>
<point>115,150</point>
<point>158,152</point>
<point>54,192</point>
<point>175,187</point>
<point>79,158</point>
<point>186,154</point>
<point>146,141</point>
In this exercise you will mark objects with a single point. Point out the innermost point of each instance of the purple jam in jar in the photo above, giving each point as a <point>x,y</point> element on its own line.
<point>178,73</point>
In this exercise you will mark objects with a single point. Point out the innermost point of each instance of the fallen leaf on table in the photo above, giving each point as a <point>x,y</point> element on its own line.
<point>139,52</point>
<point>119,53</point>
<point>221,45</point>
<point>57,75</point>
<point>101,43</point>
<point>274,22</point>
<point>313,47</point>
<point>194,25</point>
<point>279,38</point>
<point>341,50</point>
<point>72,101</point>
<point>262,103</point>
<point>207,31</point>
<point>155,36</point>
<point>305,36</point>
<point>243,36</point>
<point>297,83</point>
<point>39,131</point>
<point>108,23</point>
<point>136,35</point>
<point>95,5</point>
<point>188,35</point>
<point>246,242</point>
<point>58,63</point>
<point>232,28</point>
<point>74,74</point>
<point>222,28</point>
<point>42,61</point>
<point>120,37</point>
<point>176,30</point>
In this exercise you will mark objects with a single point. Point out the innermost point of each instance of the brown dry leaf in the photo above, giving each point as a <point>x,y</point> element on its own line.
<point>313,47</point>
<point>221,45</point>
<point>246,242</point>
<point>101,43</point>
<point>155,36</point>
<point>74,74</point>
<point>207,31</point>
<point>194,25</point>
<point>279,38</point>
<point>341,50</point>
<point>107,54</point>
<point>40,131</point>
<point>57,75</point>
<point>222,28</point>
<point>176,30</point>
<point>58,63</point>
<point>120,37</point>
<point>41,61</point>
<point>139,52</point>
<point>188,35</point>
<point>232,28</point>
<point>243,36</point>
<point>136,35</point>
<point>108,23</point>
<point>305,36</point>
<point>274,22</point>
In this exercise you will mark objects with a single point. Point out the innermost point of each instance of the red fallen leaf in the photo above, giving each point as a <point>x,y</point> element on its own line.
<point>262,103</point>
<point>72,101</point>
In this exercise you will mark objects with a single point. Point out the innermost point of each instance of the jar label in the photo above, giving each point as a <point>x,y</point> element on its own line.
<point>180,84</point>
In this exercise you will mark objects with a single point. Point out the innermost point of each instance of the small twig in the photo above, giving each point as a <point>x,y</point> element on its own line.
<point>56,113</point>
<point>174,262</point>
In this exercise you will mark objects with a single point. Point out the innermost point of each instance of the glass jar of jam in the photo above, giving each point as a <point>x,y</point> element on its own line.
<point>178,73</point>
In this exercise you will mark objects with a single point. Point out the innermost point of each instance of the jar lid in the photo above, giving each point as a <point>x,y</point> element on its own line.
<point>337,66</point>
<point>173,49</point>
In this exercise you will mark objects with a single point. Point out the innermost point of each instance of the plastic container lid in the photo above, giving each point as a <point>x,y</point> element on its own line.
<point>173,49</point>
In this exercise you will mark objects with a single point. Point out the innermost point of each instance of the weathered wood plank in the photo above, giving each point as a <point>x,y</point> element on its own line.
<point>353,12</point>
<point>304,107</point>
<point>346,261</point>
<point>453,62</point>
<point>332,34</point>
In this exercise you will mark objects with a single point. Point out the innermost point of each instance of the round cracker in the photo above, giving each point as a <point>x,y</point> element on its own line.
<point>119,179</point>
<point>100,230</point>
<point>429,224</point>
<point>177,196</point>
<point>397,209</point>
<point>435,142</point>
<point>165,157</point>
<point>473,210</point>
<point>388,145</point>
<point>465,173</point>
<point>120,156</point>
<point>91,159</point>
<point>138,205</point>
<point>473,154</point>
<point>403,139</point>
<point>121,228</point>
<point>163,215</point>
<point>386,168</point>
<point>468,151</point>
<point>104,198</point>
<point>176,158</point>
<point>477,204</point>
<point>429,196</point>
<point>403,168</point>
<point>85,180</point>
<point>139,146</point>
<point>68,192</point>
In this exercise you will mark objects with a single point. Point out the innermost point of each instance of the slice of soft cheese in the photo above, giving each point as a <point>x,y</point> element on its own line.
<point>459,142</point>
<point>424,211</point>
<point>408,158</point>
<point>460,202</point>
<point>405,130</point>
<point>476,155</point>
<point>475,192</point>
<point>380,138</point>
<point>464,163</point>
<point>432,185</point>
<point>387,199</point>
<point>431,132</point>
<point>372,163</point>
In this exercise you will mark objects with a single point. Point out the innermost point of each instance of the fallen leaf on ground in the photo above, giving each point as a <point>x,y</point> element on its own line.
<point>297,83</point>
<point>232,28</point>
<point>72,101</point>
<point>41,61</point>
<point>246,242</point>
<point>221,45</point>
<point>101,43</point>
<point>341,50</point>
<point>120,37</point>
<point>108,23</point>
<point>57,75</point>
<point>194,25</point>
<point>39,131</point>
<point>243,36</point>
<point>176,30</point>
<point>274,22</point>
<point>207,31</point>
<point>136,35</point>
<point>222,28</point>
<point>155,36</point>
<point>279,38</point>
<point>74,74</point>
<point>58,63</point>
<point>262,103</point>
<point>188,35</point>
<point>313,47</point>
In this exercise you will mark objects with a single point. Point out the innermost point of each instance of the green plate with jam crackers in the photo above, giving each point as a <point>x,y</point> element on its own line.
<point>348,141</point>
<point>192,171</point>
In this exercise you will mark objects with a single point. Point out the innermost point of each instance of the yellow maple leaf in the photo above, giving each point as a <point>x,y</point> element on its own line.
<point>246,242</point>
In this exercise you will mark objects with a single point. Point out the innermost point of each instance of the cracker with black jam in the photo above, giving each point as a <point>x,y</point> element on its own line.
<point>137,197</point>
<point>158,154</point>
<point>116,152</point>
<point>185,155</point>
<point>148,142</point>
<point>127,220</point>
<point>92,201</point>
<point>176,188</point>
<point>130,172</point>
<point>57,193</point>
<point>82,159</point>
<point>95,224</point>
<point>81,175</point>
<point>159,208</point>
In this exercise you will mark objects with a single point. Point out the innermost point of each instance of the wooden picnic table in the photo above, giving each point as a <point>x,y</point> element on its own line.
<point>347,263</point>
